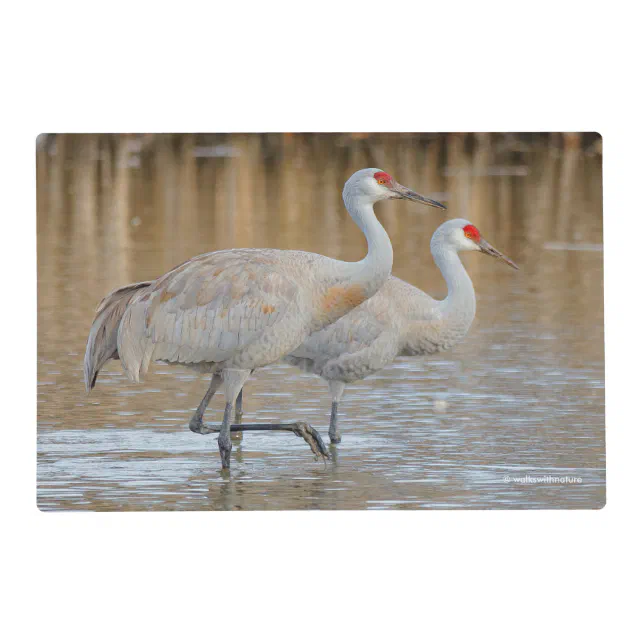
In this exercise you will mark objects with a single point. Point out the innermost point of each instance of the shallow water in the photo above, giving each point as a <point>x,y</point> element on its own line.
<point>521,399</point>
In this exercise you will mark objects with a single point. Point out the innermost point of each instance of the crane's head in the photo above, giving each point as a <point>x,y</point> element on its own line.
<point>372,184</point>
<point>460,234</point>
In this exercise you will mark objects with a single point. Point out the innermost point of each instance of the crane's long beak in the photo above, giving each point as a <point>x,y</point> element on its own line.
<point>488,249</point>
<point>405,193</point>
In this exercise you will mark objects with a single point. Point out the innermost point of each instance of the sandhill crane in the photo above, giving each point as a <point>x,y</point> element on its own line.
<point>400,320</point>
<point>232,311</point>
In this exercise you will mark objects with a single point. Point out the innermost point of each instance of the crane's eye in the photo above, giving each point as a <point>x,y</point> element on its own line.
<point>471,232</point>
<point>382,178</point>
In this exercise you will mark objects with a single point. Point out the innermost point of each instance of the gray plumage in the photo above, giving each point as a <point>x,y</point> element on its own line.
<point>231,311</point>
<point>102,341</point>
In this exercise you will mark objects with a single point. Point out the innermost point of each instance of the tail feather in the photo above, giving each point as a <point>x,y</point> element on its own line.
<point>101,344</point>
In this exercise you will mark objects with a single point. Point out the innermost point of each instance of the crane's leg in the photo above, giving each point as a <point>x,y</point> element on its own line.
<point>234,380</point>
<point>337,389</point>
<point>239,412</point>
<point>299,428</point>
<point>303,430</point>
<point>238,408</point>
<point>196,422</point>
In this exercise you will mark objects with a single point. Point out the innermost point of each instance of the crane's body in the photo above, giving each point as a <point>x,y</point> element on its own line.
<point>238,309</point>
<point>400,320</point>
<point>232,311</point>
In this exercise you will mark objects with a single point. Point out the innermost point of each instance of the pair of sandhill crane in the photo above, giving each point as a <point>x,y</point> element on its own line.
<point>233,311</point>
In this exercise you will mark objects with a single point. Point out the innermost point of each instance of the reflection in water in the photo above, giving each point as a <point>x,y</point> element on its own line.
<point>522,395</point>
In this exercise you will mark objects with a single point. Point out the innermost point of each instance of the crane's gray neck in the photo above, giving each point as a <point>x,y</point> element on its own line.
<point>459,307</point>
<point>436,326</point>
<point>373,271</point>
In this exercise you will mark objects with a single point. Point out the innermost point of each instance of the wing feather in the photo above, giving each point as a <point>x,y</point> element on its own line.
<point>205,310</point>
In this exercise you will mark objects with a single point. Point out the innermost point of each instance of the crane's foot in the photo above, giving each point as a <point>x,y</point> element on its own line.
<point>225,448</point>
<point>225,459</point>
<point>312,438</point>
<point>199,427</point>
